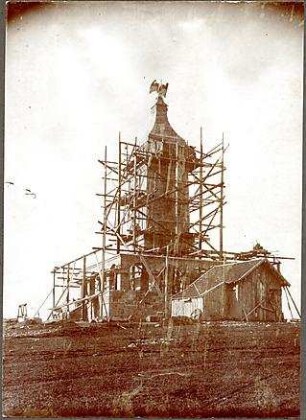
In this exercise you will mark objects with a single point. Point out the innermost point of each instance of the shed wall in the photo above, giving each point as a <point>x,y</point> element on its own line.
<point>240,300</point>
<point>261,286</point>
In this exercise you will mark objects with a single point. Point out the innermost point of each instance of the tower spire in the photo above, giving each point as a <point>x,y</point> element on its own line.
<point>162,126</point>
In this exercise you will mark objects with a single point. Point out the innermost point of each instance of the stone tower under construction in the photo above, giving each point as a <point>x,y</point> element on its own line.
<point>170,162</point>
<point>161,226</point>
<point>161,230</point>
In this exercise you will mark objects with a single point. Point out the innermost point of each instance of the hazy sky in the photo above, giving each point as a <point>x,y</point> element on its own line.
<point>76,74</point>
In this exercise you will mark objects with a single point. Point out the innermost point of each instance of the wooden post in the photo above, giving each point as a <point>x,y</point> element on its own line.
<point>83,290</point>
<point>68,282</point>
<point>201,190</point>
<point>119,194</point>
<point>296,308</point>
<point>222,199</point>
<point>177,221</point>
<point>53,290</point>
<point>288,303</point>
<point>102,276</point>
<point>134,198</point>
<point>167,285</point>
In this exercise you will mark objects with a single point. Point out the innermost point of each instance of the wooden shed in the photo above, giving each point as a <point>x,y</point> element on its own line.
<point>249,290</point>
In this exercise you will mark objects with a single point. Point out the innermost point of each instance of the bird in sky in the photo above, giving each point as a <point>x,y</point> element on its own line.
<point>29,192</point>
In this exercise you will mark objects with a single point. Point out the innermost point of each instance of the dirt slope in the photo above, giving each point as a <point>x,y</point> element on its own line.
<point>200,370</point>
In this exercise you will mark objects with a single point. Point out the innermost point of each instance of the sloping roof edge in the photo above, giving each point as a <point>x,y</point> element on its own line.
<point>278,273</point>
<point>199,294</point>
<point>271,267</point>
<point>262,261</point>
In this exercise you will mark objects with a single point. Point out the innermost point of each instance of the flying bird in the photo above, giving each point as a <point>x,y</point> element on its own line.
<point>29,192</point>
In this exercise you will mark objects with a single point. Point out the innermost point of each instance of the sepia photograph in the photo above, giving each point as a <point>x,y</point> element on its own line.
<point>153,209</point>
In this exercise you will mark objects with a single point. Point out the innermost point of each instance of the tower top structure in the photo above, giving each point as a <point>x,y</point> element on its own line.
<point>162,127</point>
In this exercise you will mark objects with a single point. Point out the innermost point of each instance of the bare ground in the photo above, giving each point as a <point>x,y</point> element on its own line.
<point>126,370</point>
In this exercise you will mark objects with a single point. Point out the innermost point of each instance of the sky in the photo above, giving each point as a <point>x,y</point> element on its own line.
<point>77,73</point>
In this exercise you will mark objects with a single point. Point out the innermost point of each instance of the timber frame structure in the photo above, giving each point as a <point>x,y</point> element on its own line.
<point>161,228</point>
<point>125,200</point>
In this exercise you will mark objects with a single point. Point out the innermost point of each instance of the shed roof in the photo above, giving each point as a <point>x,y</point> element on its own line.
<point>226,274</point>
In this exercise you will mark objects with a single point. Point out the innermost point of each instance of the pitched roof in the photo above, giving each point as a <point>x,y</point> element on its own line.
<point>225,274</point>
